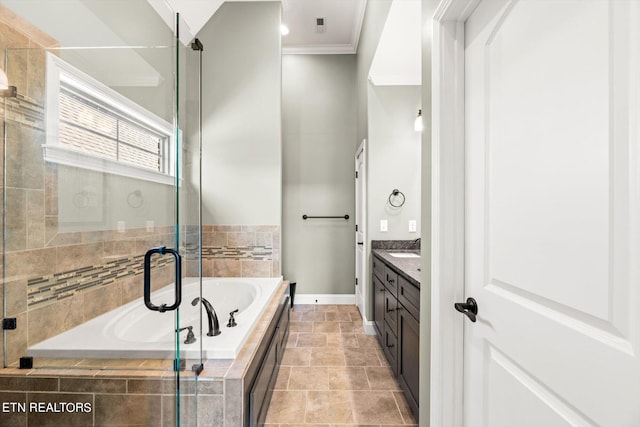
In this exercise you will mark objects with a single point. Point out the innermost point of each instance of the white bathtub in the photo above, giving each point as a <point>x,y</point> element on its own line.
<point>134,332</point>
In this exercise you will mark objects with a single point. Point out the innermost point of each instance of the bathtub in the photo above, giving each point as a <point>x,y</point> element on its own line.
<point>134,332</point>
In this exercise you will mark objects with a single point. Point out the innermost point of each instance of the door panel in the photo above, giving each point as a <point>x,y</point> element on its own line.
<point>551,119</point>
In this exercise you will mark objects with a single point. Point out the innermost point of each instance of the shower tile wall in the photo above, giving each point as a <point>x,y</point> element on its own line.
<point>25,185</point>
<point>53,281</point>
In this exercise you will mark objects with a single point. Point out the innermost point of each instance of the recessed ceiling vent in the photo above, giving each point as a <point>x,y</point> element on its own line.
<point>320,28</point>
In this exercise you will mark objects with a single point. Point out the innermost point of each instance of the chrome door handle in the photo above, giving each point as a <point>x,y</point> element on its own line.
<point>469,308</point>
<point>147,279</point>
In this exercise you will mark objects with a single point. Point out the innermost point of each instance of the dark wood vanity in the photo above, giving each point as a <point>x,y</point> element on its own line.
<point>396,314</point>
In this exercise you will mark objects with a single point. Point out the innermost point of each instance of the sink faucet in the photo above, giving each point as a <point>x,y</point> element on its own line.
<point>417,242</point>
<point>214,326</point>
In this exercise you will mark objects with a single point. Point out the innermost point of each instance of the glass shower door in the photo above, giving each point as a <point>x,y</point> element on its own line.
<point>100,156</point>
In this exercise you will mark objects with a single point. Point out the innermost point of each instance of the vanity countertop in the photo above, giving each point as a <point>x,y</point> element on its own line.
<point>406,267</point>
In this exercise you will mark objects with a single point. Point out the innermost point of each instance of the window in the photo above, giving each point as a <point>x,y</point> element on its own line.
<point>89,125</point>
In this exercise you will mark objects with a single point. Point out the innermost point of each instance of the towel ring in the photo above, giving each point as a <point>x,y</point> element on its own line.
<point>135,199</point>
<point>396,195</point>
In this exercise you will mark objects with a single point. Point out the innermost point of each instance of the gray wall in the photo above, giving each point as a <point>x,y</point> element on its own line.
<point>374,19</point>
<point>393,160</point>
<point>241,115</point>
<point>319,128</point>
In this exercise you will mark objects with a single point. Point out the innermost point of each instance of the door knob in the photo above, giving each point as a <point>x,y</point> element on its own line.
<point>469,308</point>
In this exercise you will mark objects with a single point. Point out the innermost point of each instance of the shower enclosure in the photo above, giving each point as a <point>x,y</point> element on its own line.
<point>101,158</point>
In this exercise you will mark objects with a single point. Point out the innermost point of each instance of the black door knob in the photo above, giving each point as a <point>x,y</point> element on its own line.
<point>469,308</point>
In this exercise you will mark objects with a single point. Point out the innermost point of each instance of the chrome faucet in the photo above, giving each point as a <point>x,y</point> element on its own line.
<point>417,241</point>
<point>214,326</point>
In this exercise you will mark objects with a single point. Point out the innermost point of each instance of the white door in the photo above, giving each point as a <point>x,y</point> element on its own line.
<point>552,240</point>
<point>361,253</point>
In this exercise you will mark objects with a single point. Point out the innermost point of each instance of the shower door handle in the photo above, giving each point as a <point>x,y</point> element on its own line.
<point>147,279</point>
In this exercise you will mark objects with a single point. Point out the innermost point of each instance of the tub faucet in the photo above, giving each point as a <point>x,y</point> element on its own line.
<point>232,320</point>
<point>214,326</point>
<point>191,338</point>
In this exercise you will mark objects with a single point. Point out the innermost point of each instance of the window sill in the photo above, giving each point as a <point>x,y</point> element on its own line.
<point>70,157</point>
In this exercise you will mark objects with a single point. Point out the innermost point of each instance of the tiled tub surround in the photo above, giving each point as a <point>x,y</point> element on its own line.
<point>53,289</point>
<point>138,393</point>
<point>134,332</point>
<point>85,274</point>
<point>239,250</point>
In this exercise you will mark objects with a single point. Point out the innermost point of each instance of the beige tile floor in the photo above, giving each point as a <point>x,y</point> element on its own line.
<point>332,374</point>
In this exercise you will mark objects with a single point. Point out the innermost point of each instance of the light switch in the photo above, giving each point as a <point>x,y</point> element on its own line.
<point>412,226</point>
<point>150,226</point>
<point>120,226</point>
<point>384,225</point>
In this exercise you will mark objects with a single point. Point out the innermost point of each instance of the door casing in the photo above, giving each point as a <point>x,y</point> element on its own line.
<point>447,227</point>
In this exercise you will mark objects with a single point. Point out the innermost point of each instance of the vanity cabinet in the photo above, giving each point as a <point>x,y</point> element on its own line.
<point>408,358</point>
<point>379,292</point>
<point>396,317</point>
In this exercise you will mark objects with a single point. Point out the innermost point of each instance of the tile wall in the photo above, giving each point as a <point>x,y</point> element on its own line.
<point>240,251</point>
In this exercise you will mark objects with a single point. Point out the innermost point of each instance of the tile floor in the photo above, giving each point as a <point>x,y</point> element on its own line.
<point>332,374</point>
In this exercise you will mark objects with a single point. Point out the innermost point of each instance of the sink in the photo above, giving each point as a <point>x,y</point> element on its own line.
<point>404,255</point>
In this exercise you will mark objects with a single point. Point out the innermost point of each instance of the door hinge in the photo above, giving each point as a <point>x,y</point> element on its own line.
<point>356,174</point>
<point>9,323</point>
<point>356,227</point>
<point>356,281</point>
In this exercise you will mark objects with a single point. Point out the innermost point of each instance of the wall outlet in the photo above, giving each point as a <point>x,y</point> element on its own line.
<point>384,225</point>
<point>412,226</point>
<point>120,226</point>
<point>150,226</point>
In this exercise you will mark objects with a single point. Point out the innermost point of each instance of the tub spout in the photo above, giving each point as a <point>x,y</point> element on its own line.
<point>214,326</point>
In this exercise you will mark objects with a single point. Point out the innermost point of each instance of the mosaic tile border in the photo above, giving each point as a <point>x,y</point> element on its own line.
<point>52,288</point>
<point>25,111</point>
<point>59,286</point>
<point>256,253</point>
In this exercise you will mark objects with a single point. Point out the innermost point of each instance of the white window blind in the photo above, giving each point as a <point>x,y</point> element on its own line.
<point>91,126</point>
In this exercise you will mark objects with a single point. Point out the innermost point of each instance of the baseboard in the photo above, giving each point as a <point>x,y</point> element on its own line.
<point>325,299</point>
<point>369,328</point>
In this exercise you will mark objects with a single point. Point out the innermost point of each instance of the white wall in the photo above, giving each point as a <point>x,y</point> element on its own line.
<point>393,160</point>
<point>241,173</point>
<point>319,110</point>
<point>428,9</point>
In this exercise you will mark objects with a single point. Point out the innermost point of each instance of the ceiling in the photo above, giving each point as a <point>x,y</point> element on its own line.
<point>396,62</point>
<point>342,18</point>
<point>340,33</point>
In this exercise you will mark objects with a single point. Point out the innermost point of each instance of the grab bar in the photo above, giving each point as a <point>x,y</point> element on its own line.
<point>147,279</point>
<point>305,216</point>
